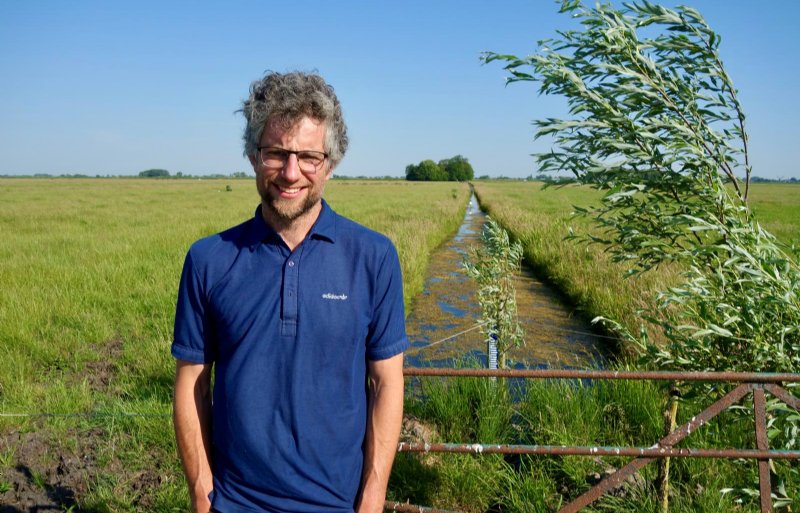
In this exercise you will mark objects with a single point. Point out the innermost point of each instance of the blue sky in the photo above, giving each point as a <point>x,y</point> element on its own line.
<point>119,87</point>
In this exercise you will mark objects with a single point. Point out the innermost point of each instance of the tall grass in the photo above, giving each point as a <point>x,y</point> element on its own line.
<point>88,282</point>
<point>604,414</point>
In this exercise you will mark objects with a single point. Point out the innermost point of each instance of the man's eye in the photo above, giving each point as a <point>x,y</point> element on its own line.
<point>275,154</point>
<point>309,157</point>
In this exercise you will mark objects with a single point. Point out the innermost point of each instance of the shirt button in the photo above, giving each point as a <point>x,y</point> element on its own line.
<point>291,263</point>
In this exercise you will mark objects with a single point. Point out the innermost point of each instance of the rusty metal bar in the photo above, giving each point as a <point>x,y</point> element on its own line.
<point>402,507</point>
<point>784,395</point>
<point>709,413</point>
<point>764,484</point>
<point>610,482</point>
<point>676,436</point>
<point>561,450</point>
<point>733,377</point>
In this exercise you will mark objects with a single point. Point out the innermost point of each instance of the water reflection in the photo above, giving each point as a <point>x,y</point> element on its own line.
<point>448,306</point>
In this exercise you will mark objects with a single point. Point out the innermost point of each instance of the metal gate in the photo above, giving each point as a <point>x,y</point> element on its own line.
<point>759,384</point>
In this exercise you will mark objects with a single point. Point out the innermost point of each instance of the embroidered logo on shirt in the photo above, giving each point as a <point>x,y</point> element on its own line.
<point>338,297</point>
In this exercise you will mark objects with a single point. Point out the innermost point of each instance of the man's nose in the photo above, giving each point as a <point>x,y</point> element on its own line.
<point>291,170</point>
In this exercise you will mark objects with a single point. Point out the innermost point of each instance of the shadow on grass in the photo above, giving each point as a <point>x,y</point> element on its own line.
<point>157,386</point>
<point>412,480</point>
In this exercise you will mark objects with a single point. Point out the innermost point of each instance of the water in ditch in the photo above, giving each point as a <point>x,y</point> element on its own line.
<point>442,323</point>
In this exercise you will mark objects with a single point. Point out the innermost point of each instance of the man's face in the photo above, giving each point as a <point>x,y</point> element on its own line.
<point>287,193</point>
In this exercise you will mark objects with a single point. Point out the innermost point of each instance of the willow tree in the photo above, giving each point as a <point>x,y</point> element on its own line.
<point>656,123</point>
<point>493,265</point>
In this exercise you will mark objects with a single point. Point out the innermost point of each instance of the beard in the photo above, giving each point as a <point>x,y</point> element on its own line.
<point>285,211</point>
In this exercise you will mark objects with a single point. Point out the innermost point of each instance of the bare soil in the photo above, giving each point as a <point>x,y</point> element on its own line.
<point>45,476</point>
<point>45,472</point>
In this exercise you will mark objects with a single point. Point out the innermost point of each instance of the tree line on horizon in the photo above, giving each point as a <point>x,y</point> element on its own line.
<point>454,169</point>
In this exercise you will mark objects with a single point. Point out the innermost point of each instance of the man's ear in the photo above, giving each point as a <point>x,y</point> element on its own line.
<point>252,158</point>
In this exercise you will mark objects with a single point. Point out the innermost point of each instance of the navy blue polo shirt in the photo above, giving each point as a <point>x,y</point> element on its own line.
<point>289,333</point>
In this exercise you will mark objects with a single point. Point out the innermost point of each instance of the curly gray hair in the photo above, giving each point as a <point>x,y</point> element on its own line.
<point>285,99</point>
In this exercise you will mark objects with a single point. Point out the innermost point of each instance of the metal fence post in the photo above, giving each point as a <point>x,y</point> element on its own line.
<point>492,351</point>
<point>762,443</point>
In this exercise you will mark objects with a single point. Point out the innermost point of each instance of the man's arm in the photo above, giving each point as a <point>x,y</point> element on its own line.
<point>192,418</point>
<point>385,415</point>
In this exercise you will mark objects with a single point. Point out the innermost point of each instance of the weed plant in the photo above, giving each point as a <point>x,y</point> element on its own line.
<point>541,220</point>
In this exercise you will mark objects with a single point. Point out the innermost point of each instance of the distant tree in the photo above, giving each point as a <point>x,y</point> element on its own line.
<point>425,171</point>
<point>458,169</point>
<point>154,173</point>
<point>413,173</point>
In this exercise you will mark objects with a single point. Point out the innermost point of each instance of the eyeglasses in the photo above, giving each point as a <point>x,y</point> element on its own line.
<point>275,158</point>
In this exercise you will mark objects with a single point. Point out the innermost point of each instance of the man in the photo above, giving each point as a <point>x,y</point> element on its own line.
<point>300,313</point>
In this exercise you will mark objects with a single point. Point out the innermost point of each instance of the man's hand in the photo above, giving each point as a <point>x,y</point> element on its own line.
<point>384,417</point>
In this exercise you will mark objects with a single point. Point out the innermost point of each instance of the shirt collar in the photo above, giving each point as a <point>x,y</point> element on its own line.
<point>261,231</point>
<point>324,227</point>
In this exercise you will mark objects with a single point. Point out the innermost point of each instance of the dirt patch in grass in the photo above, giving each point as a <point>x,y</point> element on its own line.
<point>42,473</point>
<point>100,374</point>
<point>44,468</point>
<point>38,475</point>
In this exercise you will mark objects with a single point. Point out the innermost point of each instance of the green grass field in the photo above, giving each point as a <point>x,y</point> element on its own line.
<point>88,281</point>
<point>777,207</point>
<point>89,277</point>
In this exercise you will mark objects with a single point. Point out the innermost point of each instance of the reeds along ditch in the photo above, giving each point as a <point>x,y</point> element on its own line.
<point>574,413</point>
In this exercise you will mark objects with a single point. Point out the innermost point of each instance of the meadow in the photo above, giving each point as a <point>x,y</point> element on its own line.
<point>89,275</point>
<point>87,288</point>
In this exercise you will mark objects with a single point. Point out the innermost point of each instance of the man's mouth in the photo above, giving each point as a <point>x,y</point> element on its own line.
<point>289,190</point>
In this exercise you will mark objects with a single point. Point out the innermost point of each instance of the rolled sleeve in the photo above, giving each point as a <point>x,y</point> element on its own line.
<point>191,336</point>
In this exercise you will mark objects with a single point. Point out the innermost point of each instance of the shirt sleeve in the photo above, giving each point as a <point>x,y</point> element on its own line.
<point>387,333</point>
<point>192,336</point>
